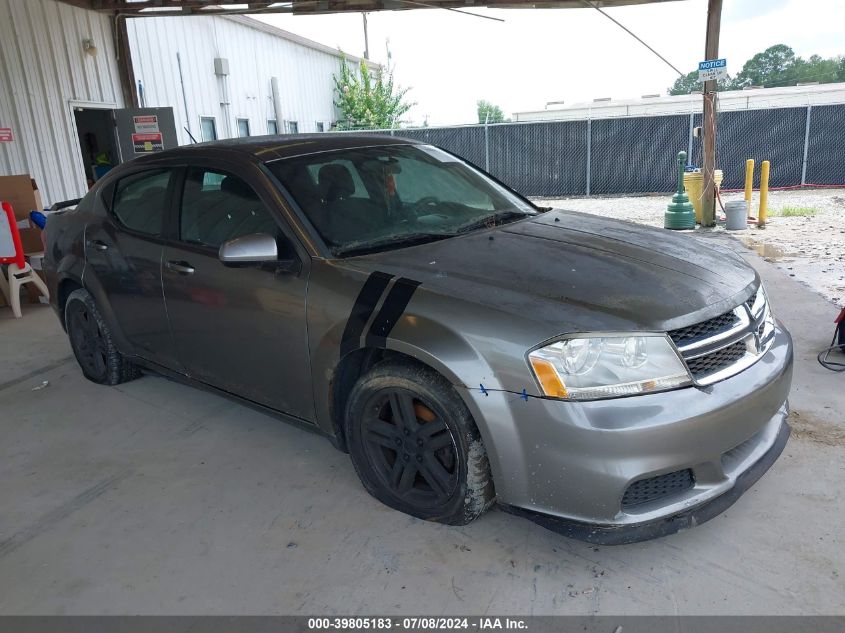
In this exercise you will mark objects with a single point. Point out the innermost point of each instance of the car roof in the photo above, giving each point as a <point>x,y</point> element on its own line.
<point>270,148</point>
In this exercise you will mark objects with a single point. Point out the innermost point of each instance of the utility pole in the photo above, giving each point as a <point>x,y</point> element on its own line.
<point>711,51</point>
<point>366,38</point>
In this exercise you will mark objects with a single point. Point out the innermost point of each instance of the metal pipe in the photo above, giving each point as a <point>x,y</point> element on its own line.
<point>184,94</point>
<point>487,143</point>
<point>277,104</point>
<point>589,151</point>
<point>689,141</point>
<point>764,193</point>
<point>806,146</point>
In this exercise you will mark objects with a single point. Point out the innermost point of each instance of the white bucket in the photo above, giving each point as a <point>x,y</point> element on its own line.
<point>736,214</point>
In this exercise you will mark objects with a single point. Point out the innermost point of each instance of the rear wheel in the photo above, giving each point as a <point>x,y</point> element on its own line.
<point>415,446</point>
<point>92,344</point>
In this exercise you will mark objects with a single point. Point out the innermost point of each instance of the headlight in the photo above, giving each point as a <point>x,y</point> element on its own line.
<point>587,368</point>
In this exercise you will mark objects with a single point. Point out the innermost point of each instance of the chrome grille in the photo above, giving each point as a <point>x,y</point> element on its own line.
<point>705,329</point>
<point>725,345</point>
<point>717,361</point>
<point>659,487</point>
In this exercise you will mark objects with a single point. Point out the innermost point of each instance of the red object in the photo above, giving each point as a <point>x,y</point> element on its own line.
<point>841,317</point>
<point>16,238</point>
<point>6,135</point>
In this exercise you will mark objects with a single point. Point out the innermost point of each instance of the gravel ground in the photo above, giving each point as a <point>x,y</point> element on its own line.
<point>811,248</point>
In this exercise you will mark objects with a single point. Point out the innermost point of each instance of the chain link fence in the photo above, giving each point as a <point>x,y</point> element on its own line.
<point>627,155</point>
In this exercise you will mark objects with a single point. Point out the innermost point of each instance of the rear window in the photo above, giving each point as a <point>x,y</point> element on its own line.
<point>140,201</point>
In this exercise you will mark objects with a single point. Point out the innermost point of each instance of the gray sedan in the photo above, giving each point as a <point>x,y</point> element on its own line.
<point>609,381</point>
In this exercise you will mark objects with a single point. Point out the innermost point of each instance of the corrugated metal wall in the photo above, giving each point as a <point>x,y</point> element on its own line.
<point>255,55</point>
<point>43,71</point>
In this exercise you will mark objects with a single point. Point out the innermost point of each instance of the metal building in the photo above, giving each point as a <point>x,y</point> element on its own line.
<point>65,70</point>
<point>655,105</point>
<point>219,74</point>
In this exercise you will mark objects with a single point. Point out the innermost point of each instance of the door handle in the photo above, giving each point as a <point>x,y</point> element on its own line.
<point>183,268</point>
<point>98,245</point>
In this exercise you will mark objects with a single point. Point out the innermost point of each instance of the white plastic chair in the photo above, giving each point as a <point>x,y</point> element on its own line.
<point>19,271</point>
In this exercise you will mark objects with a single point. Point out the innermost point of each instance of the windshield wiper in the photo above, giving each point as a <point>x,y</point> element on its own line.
<point>409,239</point>
<point>488,220</point>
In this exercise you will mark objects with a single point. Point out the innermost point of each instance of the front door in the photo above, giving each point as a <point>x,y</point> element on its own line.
<point>240,328</point>
<point>123,251</point>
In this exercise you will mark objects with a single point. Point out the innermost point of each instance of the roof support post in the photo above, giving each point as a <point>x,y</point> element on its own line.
<point>711,51</point>
<point>124,62</point>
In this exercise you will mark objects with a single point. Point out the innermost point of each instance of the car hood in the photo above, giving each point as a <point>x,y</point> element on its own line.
<point>581,270</point>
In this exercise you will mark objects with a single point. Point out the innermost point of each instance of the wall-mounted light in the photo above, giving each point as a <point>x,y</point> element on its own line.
<point>88,47</point>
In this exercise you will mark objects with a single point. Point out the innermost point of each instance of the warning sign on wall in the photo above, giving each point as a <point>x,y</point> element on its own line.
<point>147,143</point>
<point>146,124</point>
<point>6,135</point>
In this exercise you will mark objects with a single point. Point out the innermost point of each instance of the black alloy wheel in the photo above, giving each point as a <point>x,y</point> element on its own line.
<point>410,448</point>
<point>92,344</point>
<point>415,446</point>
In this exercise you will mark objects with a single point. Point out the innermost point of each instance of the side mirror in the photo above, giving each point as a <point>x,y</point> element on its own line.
<point>255,247</point>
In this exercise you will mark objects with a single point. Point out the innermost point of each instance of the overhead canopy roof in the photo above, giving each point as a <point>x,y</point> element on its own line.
<point>140,8</point>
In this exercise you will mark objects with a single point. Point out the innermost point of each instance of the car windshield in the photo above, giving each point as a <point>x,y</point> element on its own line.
<point>378,198</point>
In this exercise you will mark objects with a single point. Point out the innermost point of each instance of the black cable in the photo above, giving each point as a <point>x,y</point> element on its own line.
<point>824,355</point>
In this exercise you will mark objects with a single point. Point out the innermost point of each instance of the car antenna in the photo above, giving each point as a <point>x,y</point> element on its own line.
<point>189,134</point>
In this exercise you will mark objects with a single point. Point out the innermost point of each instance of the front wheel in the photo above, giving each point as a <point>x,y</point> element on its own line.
<point>415,446</point>
<point>92,344</point>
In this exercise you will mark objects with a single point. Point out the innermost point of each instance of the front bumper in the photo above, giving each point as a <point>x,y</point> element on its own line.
<point>568,464</point>
<point>663,525</point>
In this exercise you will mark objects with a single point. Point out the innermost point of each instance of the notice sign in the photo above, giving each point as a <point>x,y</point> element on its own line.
<point>147,143</point>
<point>713,70</point>
<point>146,124</point>
<point>6,135</point>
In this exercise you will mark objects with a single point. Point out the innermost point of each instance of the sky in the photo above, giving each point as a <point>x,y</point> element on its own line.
<point>450,60</point>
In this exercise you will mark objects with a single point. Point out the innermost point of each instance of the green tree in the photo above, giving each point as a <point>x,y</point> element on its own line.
<point>367,99</point>
<point>778,65</point>
<point>487,109</point>
<point>689,83</point>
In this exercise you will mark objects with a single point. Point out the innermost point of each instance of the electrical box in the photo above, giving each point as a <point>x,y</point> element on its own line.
<point>221,66</point>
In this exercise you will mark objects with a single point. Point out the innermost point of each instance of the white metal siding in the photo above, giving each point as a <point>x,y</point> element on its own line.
<point>43,71</point>
<point>255,55</point>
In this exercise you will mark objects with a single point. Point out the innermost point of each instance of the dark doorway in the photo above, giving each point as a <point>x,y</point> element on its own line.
<point>95,128</point>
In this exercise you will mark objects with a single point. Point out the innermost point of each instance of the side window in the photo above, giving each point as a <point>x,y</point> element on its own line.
<point>217,206</point>
<point>140,201</point>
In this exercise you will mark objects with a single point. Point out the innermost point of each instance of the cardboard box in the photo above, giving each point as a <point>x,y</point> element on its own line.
<point>31,240</point>
<point>22,193</point>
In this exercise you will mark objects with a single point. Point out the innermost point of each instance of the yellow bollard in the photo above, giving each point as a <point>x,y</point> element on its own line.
<point>749,184</point>
<point>764,193</point>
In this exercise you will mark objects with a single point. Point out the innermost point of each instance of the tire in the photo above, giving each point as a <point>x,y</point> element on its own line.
<point>429,461</point>
<point>92,343</point>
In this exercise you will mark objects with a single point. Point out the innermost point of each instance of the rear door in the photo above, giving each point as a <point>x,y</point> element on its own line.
<point>123,251</point>
<point>240,328</point>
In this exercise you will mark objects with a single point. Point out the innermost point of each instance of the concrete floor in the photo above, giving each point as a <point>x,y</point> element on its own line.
<point>154,497</point>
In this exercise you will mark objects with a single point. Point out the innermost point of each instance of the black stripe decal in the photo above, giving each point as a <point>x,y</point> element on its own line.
<point>394,305</point>
<point>363,307</point>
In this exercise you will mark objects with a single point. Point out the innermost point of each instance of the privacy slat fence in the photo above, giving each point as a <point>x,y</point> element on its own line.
<point>637,154</point>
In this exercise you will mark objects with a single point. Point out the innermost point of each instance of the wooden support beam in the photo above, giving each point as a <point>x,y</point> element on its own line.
<point>124,63</point>
<point>708,158</point>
